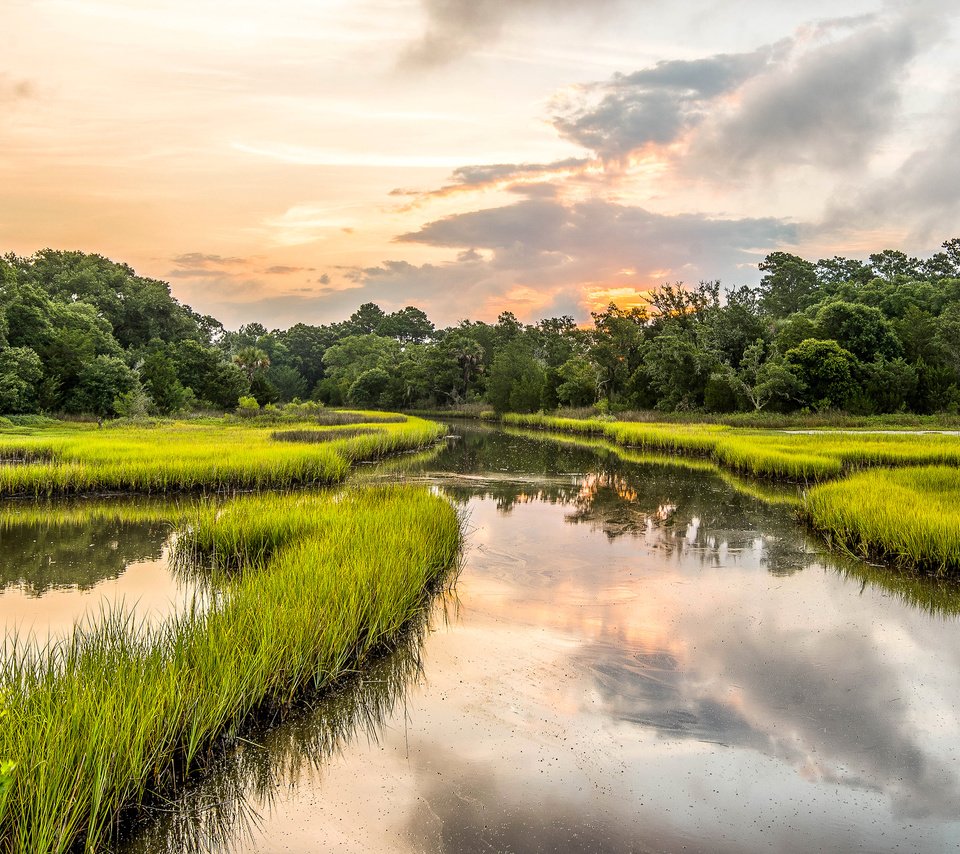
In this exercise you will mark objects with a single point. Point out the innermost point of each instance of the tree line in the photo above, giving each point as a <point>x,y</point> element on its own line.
<point>82,334</point>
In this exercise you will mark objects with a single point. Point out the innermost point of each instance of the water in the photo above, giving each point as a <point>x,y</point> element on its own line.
<point>55,572</point>
<point>637,658</point>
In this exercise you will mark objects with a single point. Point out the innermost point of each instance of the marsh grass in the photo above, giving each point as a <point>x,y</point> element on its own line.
<point>796,457</point>
<point>910,516</point>
<point>184,456</point>
<point>212,812</point>
<point>100,721</point>
<point>768,492</point>
<point>315,436</point>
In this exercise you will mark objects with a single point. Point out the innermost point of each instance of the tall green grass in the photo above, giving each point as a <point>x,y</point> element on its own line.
<point>186,456</point>
<point>98,722</point>
<point>911,515</point>
<point>772,454</point>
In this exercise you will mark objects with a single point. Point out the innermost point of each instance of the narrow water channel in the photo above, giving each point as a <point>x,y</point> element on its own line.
<point>638,657</point>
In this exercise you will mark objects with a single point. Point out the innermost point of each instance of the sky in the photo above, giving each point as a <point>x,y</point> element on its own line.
<point>286,161</point>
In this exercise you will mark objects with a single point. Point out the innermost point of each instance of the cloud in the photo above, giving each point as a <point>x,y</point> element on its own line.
<point>284,270</point>
<point>455,27</point>
<point>654,105</point>
<point>518,177</point>
<point>15,89</point>
<point>822,97</point>
<point>599,229</point>
<point>540,256</point>
<point>826,106</point>
<point>201,259</point>
<point>922,190</point>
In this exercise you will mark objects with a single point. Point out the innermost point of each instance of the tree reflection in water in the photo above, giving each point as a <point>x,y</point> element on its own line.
<point>38,556</point>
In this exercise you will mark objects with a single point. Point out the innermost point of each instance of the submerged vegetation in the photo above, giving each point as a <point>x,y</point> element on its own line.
<point>216,455</point>
<point>101,721</point>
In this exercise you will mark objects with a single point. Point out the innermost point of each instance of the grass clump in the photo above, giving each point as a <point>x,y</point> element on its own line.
<point>181,456</point>
<point>95,724</point>
<point>910,516</point>
<point>778,455</point>
<point>316,436</point>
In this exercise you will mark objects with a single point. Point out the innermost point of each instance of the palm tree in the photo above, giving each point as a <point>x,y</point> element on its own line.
<point>252,360</point>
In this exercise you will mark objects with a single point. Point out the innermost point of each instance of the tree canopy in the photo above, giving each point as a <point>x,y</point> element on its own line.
<point>81,333</point>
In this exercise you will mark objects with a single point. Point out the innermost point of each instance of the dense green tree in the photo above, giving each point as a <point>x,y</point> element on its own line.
<point>356,354</point>
<point>831,272</point>
<point>947,337</point>
<point>516,379</point>
<point>136,309</point>
<point>875,335</point>
<point>411,382</point>
<point>682,306</point>
<point>307,344</point>
<point>789,284</point>
<point>287,382</point>
<point>678,368</point>
<point>20,372</point>
<point>102,381</point>
<point>891,383</point>
<point>366,319</point>
<point>727,331</point>
<point>410,325</point>
<point>827,371</point>
<point>762,381</point>
<point>891,264</point>
<point>368,389</point>
<point>579,380</point>
<point>252,361</point>
<point>213,380</point>
<point>456,364</point>
<point>793,330</point>
<point>616,347</point>
<point>158,374</point>
<point>860,329</point>
<point>936,389</point>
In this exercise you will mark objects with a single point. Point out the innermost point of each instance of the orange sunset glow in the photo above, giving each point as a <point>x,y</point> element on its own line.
<point>286,162</point>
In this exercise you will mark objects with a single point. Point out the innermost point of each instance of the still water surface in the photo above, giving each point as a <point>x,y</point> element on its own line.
<point>55,573</point>
<point>638,658</point>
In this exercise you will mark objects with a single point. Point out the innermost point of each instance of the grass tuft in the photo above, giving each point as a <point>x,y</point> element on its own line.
<point>182,456</point>
<point>96,723</point>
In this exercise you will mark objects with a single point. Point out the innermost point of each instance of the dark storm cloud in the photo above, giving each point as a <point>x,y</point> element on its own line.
<point>454,27</point>
<point>827,106</point>
<point>654,105</point>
